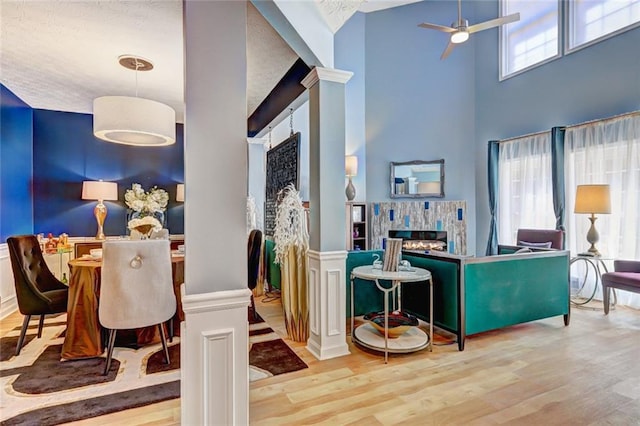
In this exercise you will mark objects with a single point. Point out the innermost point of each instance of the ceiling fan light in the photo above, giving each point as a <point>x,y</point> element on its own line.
<point>133,121</point>
<point>459,37</point>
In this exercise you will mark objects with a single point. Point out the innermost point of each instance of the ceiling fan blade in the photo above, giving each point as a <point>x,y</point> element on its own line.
<point>494,23</point>
<point>447,51</point>
<point>437,27</point>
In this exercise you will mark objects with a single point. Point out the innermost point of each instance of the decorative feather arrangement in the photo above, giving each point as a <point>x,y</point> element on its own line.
<point>290,227</point>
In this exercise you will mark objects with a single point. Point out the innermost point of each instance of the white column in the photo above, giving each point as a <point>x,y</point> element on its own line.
<point>215,333</point>
<point>327,254</point>
<point>327,310</point>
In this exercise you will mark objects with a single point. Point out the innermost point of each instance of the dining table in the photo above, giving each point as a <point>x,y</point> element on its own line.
<point>84,335</point>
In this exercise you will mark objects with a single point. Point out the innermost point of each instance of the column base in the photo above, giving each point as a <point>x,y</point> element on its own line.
<point>327,304</point>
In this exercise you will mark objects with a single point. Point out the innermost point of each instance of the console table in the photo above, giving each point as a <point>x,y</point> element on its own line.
<point>414,339</point>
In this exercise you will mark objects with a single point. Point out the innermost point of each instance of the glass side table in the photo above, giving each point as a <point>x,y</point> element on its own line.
<point>595,264</point>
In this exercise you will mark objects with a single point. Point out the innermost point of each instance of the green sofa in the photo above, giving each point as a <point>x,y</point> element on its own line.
<point>473,295</point>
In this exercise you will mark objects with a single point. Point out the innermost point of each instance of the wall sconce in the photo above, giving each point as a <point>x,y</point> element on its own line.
<point>593,199</point>
<point>180,193</point>
<point>100,191</point>
<point>351,169</point>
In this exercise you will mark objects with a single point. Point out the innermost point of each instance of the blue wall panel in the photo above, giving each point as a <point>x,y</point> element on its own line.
<point>65,153</point>
<point>16,135</point>
<point>598,81</point>
<point>417,106</point>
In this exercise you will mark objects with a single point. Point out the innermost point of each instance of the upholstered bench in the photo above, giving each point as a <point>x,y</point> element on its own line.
<point>626,277</point>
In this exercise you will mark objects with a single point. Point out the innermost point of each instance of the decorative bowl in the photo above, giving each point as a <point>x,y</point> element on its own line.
<point>399,322</point>
<point>95,253</point>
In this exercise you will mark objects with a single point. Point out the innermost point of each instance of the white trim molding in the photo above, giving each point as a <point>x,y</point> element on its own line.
<point>326,74</point>
<point>214,357</point>
<point>327,304</point>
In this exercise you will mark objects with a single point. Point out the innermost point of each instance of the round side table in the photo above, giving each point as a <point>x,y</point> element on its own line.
<point>599,267</point>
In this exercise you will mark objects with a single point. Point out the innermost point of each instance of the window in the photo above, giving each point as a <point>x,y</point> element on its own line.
<point>533,39</point>
<point>525,188</point>
<point>590,21</point>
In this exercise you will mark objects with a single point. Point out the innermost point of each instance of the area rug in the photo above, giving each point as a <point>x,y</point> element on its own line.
<point>38,388</point>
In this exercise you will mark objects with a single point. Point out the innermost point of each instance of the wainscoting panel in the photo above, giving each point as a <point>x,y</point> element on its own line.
<point>449,216</point>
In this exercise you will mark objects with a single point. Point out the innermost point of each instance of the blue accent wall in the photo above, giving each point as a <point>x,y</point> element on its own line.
<point>16,136</point>
<point>595,82</point>
<point>418,107</point>
<point>65,153</point>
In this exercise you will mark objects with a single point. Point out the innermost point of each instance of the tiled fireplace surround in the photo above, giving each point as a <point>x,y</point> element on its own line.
<point>449,216</point>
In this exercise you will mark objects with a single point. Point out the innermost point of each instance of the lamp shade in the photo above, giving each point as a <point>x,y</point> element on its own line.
<point>133,121</point>
<point>351,165</point>
<point>99,190</point>
<point>180,192</point>
<point>593,199</point>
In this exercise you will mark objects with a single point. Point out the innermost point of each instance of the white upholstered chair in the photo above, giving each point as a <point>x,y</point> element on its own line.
<point>136,288</point>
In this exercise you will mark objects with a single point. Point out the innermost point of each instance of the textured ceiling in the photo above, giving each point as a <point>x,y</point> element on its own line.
<point>61,54</point>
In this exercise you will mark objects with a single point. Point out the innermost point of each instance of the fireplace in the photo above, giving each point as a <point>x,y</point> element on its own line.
<point>421,240</point>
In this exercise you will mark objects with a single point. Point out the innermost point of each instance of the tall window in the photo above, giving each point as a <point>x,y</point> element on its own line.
<point>526,192</point>
<point>531,40</point>
<point>593,20</point>
<point>607,152</point>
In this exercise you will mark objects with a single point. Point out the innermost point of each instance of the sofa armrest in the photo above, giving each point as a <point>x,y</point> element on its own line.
<point>626,265</point>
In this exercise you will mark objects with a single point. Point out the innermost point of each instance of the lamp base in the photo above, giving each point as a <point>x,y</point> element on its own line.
<point>100,212</point>
<point>350,191</point>
<point>592,236</point>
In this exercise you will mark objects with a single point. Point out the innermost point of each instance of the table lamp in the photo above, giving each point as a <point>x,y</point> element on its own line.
<point>351,169</point>
<point>100,191</point>
<point>592,199</point>
<point>180,193</point>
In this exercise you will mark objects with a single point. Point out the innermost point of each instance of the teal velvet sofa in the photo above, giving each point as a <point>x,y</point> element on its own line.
<point>473,295</point>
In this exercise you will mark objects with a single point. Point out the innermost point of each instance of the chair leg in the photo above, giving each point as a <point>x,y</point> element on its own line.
<point>171,332</point>
<point>111,344</point>
<point>253,308</point>
<point>164,343</point>
<point>40,325</point>
<point>23,332</point>
<point>606,292</point>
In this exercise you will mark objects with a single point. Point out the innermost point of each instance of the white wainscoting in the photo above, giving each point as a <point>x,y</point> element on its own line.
<point>214,358</point>
<point>8,302</point>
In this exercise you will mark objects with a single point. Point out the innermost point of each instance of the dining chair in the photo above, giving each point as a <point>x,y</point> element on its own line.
<point>136,289</point>
<point>38,291</point>
<point>254,249</point>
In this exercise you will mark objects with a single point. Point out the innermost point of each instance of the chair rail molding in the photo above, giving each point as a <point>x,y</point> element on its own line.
<point>327,304</point>
<point>215,342</point>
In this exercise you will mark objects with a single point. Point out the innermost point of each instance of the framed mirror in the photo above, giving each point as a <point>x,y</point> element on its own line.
<point>415,179</point>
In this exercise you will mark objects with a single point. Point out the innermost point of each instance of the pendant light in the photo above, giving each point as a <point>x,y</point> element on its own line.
<point>133,120</point>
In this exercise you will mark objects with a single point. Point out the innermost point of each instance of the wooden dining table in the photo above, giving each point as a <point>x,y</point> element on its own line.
<point>83,337</point>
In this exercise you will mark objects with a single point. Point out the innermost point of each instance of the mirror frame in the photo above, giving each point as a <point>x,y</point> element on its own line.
<point>416,163</point>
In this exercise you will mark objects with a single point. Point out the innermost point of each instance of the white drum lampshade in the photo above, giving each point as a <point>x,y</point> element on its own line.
<point>133,121</point>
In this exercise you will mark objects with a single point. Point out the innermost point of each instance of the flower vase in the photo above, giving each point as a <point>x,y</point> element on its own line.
<point>132,214</point>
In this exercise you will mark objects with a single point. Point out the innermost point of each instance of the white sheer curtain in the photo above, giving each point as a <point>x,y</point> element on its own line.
<point>526,194</point>
<point>606,152</point>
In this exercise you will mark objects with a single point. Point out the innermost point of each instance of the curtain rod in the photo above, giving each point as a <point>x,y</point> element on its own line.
<point>615,117</point>
<point>524,136</point>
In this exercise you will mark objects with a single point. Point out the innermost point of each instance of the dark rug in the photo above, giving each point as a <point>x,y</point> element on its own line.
<point>46,374</point>
<point>94,407</point>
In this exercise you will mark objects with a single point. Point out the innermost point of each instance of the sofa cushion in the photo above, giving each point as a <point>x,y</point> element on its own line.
<point>546,244</point>
<point>622,279</point>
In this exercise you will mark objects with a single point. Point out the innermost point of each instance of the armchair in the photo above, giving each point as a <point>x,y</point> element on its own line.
<point>38,291</point>
<point>626,276</point>
<point>541,236</point>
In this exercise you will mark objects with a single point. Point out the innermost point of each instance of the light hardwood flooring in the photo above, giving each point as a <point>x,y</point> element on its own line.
<point>540,373</point>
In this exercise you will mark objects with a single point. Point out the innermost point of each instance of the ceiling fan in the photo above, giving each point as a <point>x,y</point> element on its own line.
<point>461,29</point>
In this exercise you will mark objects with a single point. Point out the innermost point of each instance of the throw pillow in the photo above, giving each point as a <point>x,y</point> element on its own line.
<point>546,244</point>
<point>523,250</point>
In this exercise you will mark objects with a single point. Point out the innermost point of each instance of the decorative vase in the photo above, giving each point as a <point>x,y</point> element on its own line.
<point>132,214</point>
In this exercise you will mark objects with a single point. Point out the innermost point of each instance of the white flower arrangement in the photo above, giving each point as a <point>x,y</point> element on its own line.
<point>290,225</point>
<point>145,224</point>
<point>155,200</point>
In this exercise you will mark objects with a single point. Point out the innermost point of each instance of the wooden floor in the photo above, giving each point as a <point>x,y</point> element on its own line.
<point>532,374</point>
